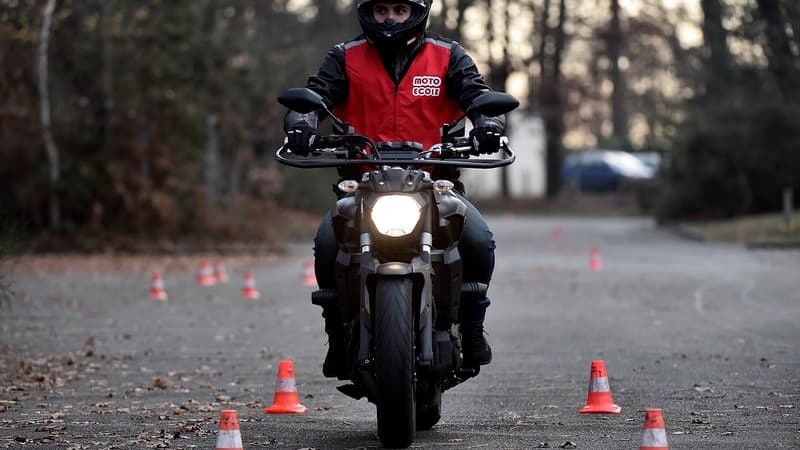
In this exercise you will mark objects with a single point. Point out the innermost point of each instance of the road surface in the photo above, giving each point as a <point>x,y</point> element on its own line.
<point>707,332</point>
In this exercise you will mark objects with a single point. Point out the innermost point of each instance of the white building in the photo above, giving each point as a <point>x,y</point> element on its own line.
<point>526,175</point>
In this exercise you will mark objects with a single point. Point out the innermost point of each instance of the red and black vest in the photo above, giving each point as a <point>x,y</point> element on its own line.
<point>414,110</point>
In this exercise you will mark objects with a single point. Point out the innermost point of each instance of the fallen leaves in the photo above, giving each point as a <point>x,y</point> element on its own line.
<point>161,383</point>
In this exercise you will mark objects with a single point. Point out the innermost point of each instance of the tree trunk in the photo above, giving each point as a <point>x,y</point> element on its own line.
<point>560,42</point>
<point>545,36</point>
<point>552,109</point>
<point>108,79</point>
<point>462,6</point>
<point>437,22</point>
<point>782,63</point>
<point>499,71</point>
<point>619,116</point>
<point>505,182</point>
<point>211,169</point>
<point>719,66</point>
<point>47,134</point>
<point>792,9</point>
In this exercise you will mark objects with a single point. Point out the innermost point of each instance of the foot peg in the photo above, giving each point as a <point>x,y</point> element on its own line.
<point>468,372</point>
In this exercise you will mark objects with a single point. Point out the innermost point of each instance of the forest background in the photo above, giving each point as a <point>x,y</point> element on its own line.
<point>156,120</point>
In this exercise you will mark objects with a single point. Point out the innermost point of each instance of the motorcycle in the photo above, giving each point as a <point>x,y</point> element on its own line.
<point>398,270</point>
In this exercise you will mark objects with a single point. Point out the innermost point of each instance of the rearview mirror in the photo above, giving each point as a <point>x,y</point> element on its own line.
<point>302,100</point>
<point>492,103</point>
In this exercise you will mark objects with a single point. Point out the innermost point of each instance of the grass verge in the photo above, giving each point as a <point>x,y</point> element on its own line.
<point>760,230</point>
<point>8,235</point>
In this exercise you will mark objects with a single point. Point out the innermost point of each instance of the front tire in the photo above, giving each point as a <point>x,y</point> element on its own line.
<point>394,362</point>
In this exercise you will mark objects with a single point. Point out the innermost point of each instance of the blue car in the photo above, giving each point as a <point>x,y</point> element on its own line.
<point>604,170</point>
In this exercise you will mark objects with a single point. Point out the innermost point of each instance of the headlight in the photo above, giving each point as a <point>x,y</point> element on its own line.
<point>395,215</point>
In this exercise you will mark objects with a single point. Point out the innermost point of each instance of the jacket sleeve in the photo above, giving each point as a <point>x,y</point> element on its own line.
<point>330,82</point>
<point>464,83</point>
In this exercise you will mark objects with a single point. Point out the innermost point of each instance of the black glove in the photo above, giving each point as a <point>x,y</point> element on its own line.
<point>485,140</point>
<point>302,139</point>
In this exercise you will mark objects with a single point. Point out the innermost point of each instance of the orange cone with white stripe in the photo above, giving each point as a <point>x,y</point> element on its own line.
<point>205,276</point>
<point>249,290</point>
<point>654,436</point>
<point>229,437</point>
<point>595,263</point>
<point>157,291</point>
<point>220,274</point>
<point>286,400</point>
<point>599,399</point>
<point>309,279</point>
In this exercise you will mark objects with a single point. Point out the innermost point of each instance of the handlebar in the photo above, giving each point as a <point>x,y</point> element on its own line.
<point>349,150</point>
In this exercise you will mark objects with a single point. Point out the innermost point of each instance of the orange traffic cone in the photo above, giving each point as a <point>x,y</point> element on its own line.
<point>220,274</point>
<point>286,399</point>
<point>558,234</point>
<point>205,276</point>
<point>654,436</point>
<point>249,290</point>
<point>229,437</point>
<point>157,291</point>
<point>309,279</point>
<point>599,399</point>
<point>595,263</point>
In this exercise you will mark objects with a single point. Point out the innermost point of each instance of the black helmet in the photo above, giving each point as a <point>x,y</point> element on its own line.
<point>393,35</point>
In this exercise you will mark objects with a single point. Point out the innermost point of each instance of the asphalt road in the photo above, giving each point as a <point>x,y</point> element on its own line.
<point>707,332</point>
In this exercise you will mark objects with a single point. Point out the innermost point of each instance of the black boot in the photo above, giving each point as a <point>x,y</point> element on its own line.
<point>475,348</point>
<point>334,360</point>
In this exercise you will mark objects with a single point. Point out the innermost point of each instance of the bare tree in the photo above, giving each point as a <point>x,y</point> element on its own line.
<point>47,134</point>
<point>619,116</point>
<point>107,14</point>
<point>793,14</point>
<point>552,41</point>
<point>782,63</point>
<point>718,57</point>
<point>461,8</point>
<point>500,69</point>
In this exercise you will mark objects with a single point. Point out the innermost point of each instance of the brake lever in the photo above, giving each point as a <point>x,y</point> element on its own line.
<point>353,151</point>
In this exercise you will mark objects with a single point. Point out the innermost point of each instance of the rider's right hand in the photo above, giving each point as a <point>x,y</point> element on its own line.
<point>301,139</point>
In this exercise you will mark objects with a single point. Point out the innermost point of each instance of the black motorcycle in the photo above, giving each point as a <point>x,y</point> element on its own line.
<point>398,270</point>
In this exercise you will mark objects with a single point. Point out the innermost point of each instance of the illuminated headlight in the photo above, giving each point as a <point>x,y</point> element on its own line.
<point>395,215</point>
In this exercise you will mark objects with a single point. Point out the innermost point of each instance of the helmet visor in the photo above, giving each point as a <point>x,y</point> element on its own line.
<point>389,33</point>
<point>389,26</point>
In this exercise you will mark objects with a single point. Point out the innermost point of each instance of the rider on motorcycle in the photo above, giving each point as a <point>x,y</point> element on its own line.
<point>398,82</point>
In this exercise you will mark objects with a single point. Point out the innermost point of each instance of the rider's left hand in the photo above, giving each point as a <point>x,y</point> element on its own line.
<point>485,140</point>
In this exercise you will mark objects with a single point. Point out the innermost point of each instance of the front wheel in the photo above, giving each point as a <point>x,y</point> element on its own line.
<point>394,361</point>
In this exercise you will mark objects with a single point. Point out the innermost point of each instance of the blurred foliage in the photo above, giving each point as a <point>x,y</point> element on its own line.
<point>165,119</point>
<point>738,148</point>
<point>736,158</point>
<point>133,86</point>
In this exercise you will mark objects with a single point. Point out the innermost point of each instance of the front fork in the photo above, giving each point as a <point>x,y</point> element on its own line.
<point>421,272</point>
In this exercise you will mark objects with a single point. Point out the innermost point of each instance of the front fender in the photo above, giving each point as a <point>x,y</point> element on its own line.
<point>420,272</point>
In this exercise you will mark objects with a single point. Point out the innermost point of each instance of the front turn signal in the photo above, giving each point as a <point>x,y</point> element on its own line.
<point>443,185</point>
<point>348,186</point>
